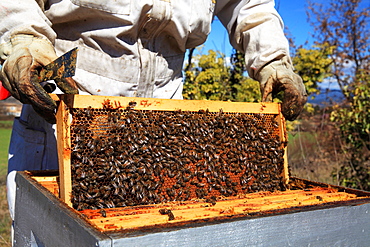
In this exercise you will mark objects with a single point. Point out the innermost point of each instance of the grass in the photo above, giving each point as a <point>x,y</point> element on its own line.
<point>315,154</point>
<point>5,220</point>
<point>4,144</point>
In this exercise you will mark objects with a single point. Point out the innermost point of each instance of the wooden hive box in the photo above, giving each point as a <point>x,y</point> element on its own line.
<point>240,192</point>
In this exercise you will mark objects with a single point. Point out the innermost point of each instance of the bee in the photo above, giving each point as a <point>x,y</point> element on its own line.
<point>170,192</point>
<point>164,211</point>
<point>171,216</point>
<point>132,104</point>
<point>176,186</point>
<point>211,200</point>
<point>110,204</point>
<point>168,212</point>
<point>171,174</point>
<point>201,185</point>
<point>77,155</point>
<point>88,112</point>
<point>103,213</point>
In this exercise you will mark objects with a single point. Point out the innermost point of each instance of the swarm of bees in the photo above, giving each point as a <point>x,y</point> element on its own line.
<point>125,157</point>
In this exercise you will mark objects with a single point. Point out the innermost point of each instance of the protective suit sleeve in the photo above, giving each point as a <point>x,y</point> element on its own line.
<point>256,29</point>
<point>24,17</point>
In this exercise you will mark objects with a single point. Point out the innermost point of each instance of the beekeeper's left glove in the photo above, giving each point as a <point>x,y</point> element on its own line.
<point>279,76</point>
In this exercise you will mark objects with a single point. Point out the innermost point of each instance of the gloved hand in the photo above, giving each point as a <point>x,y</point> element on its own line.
<point>279,76</point>
<point>23,56</point>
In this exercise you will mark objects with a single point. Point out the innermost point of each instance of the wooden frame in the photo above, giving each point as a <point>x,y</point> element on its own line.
<point>67,102</point>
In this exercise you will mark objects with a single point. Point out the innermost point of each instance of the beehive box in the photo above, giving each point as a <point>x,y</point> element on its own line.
<point>307,214</point>
<point>263,207</point>
<point>117,152</point>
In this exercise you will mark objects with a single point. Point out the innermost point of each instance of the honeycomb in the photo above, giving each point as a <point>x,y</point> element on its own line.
<point>121,156</point>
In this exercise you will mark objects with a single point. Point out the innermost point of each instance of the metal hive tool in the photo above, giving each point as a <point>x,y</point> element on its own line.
<point>126,153</point>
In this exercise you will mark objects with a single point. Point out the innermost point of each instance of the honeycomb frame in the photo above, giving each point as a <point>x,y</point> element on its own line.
<point>193,176</point>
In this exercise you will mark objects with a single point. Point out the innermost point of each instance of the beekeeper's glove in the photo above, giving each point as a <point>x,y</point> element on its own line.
<point>279,76</point>
<point>23,56</point>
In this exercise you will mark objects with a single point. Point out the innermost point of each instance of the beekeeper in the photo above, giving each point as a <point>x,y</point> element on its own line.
<point>126,48</point>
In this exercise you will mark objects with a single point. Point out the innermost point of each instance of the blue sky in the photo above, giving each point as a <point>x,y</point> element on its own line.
<point>293,13</point>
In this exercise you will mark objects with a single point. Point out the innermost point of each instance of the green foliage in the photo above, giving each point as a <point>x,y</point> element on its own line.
<point>345,30</point>
<point>313,65</point>
<point>354,124</point>
<point>213,79</point>
<point>4,146</point>
<point>355,120</point>
<point>247,90</point>
<point>209,80</point>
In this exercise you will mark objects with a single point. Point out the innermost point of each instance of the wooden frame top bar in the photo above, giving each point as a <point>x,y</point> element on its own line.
<point>84,101</point>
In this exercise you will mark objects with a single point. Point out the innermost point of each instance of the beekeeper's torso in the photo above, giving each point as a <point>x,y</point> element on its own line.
<point>136,46</point>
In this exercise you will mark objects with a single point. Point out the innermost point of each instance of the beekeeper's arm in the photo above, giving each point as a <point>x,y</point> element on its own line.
<point>256,29</point>
<point>26,44</point>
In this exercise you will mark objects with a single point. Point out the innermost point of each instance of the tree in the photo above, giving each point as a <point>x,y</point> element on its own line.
<point>209,80</point>
<point>346,29</point>
<point>354,124</point>
<point>212,78</point>
<point>313,65</point>
<point>244,88</point>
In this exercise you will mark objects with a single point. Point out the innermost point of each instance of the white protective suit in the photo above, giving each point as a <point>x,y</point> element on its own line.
<point>129,48</point>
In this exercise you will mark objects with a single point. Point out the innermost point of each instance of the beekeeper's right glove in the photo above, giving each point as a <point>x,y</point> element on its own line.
<point>22,57</point>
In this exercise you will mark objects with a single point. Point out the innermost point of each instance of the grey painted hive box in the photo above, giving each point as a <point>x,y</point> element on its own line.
<point>319,215</point>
